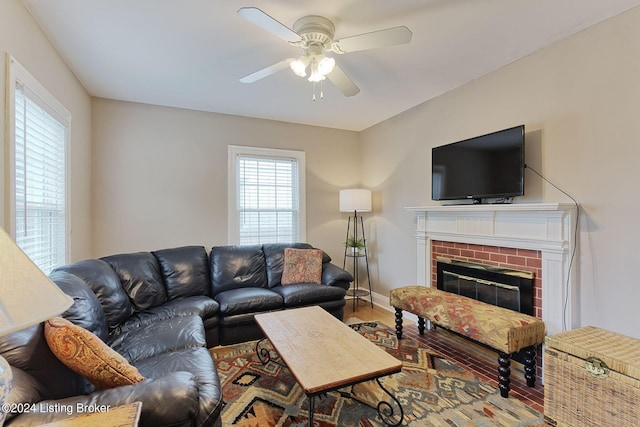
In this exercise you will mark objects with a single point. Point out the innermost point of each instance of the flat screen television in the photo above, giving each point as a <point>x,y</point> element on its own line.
<point>485,167</point>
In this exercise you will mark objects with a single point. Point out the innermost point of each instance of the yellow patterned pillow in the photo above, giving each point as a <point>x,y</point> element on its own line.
<point>84,353</point>
<point>302,266</point>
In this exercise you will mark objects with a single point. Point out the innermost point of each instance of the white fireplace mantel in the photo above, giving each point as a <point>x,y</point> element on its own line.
<point>546,227</point>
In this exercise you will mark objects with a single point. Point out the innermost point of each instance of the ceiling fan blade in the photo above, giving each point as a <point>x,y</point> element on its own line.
<point>261,19</point>
<point>382,38</point>
<point>272,69</point>
<point>340,80</point>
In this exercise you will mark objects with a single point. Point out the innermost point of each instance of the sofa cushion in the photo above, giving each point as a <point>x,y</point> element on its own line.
<point>160,337</point>
<point>204,307</point>
<point>248,300</point>
<point>297,295</point>
<point>197,361</point>
<point>86,354</point>
<point>185,270</point>
<point>302,266</point>
<point>140,277</point>
<point>105,284</point>
<point>274,256</point>
<point>86,310</point>
<point>235,267</point>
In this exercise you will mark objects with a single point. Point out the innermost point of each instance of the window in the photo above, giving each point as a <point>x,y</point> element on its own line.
<point>39,129</point>
<point>266,197</point>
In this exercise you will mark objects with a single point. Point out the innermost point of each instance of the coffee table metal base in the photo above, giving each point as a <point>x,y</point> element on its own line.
<point>385,409</point>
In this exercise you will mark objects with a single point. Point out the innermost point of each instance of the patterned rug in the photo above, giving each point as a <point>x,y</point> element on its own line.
<point>432,390</point>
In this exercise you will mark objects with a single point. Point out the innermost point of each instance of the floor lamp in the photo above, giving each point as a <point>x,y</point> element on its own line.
<point>356,200</point>
<point>27,297</point>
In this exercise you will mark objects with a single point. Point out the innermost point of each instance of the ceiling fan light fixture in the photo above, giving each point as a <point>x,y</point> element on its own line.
<point>320,67</point>
<point>315,75</point>
<point>299,66</point>
<point>326,65</point>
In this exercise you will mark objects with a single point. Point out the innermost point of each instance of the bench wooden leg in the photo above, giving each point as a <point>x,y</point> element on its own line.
<point>421,325</point>
<point>530,365</point>
<point>399,323</point>
<point>504,374</point>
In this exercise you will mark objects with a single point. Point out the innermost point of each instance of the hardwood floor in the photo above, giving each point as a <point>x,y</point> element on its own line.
<point>480,361</point>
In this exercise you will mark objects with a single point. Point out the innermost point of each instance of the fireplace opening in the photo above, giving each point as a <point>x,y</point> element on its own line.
<point>501,286</point>
<point>493,293</point>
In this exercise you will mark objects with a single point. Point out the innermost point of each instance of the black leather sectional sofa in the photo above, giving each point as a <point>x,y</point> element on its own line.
<point>161,310</point>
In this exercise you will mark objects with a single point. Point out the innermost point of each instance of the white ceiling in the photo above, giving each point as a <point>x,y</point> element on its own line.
<point>191,53</point>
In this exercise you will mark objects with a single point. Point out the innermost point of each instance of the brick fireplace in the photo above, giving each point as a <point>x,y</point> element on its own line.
<point>517,259</point>
<point>537,238</point>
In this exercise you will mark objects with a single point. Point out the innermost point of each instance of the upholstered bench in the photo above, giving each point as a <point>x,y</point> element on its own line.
<point>506,331</point>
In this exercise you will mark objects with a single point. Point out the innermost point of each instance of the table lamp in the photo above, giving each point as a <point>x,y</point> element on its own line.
<point>27,297</point>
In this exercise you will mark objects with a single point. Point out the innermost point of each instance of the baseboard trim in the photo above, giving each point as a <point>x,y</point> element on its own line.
<point>382,301</point>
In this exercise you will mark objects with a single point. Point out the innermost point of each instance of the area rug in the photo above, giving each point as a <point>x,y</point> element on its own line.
<point>433,391</point>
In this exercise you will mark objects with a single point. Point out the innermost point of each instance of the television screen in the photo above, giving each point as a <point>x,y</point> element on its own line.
<point>484,167</point>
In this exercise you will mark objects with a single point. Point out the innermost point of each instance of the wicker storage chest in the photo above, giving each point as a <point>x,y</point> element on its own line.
<point>592,378</point>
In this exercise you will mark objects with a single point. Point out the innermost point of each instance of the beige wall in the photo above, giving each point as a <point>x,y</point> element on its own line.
<point>160,175</point>
<point>580,102</point>
<point>157,176</point>
<point>22,38</point>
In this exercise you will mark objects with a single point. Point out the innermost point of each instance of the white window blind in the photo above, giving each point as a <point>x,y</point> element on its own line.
<point>268,196</point>
<point>39,175</point>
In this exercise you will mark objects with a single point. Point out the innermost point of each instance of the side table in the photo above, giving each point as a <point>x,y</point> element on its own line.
<point>119,416</point>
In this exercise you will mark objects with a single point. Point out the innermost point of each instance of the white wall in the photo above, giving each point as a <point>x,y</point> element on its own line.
<point>22,38</point>
<point>580,102</point>
<point>160,175</point>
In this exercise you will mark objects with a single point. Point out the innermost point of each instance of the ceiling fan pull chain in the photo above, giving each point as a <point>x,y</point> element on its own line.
<point>321,90</point>
<point>314,91</point>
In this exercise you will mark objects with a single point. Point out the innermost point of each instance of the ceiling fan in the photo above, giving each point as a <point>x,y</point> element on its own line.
<point>314,35</point>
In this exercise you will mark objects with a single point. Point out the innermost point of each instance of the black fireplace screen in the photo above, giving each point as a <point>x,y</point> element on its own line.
<point>493,293</point>
<point>499,286</point>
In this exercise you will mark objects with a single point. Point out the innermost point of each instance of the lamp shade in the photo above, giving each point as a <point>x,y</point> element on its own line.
<point>27,295</point>
<point>355,200</point>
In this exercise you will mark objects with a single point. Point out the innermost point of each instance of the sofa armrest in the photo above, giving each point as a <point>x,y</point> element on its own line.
<point>332,275</point>
<point>170,400</point>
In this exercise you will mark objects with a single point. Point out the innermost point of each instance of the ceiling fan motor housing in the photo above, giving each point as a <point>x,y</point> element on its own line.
<point>315,31</point>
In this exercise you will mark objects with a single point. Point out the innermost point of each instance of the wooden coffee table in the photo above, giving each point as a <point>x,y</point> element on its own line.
<point>324,354</point>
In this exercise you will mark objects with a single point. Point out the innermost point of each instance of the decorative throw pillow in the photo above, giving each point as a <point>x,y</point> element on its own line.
<point>83,352</point>
<point>302,266</point>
